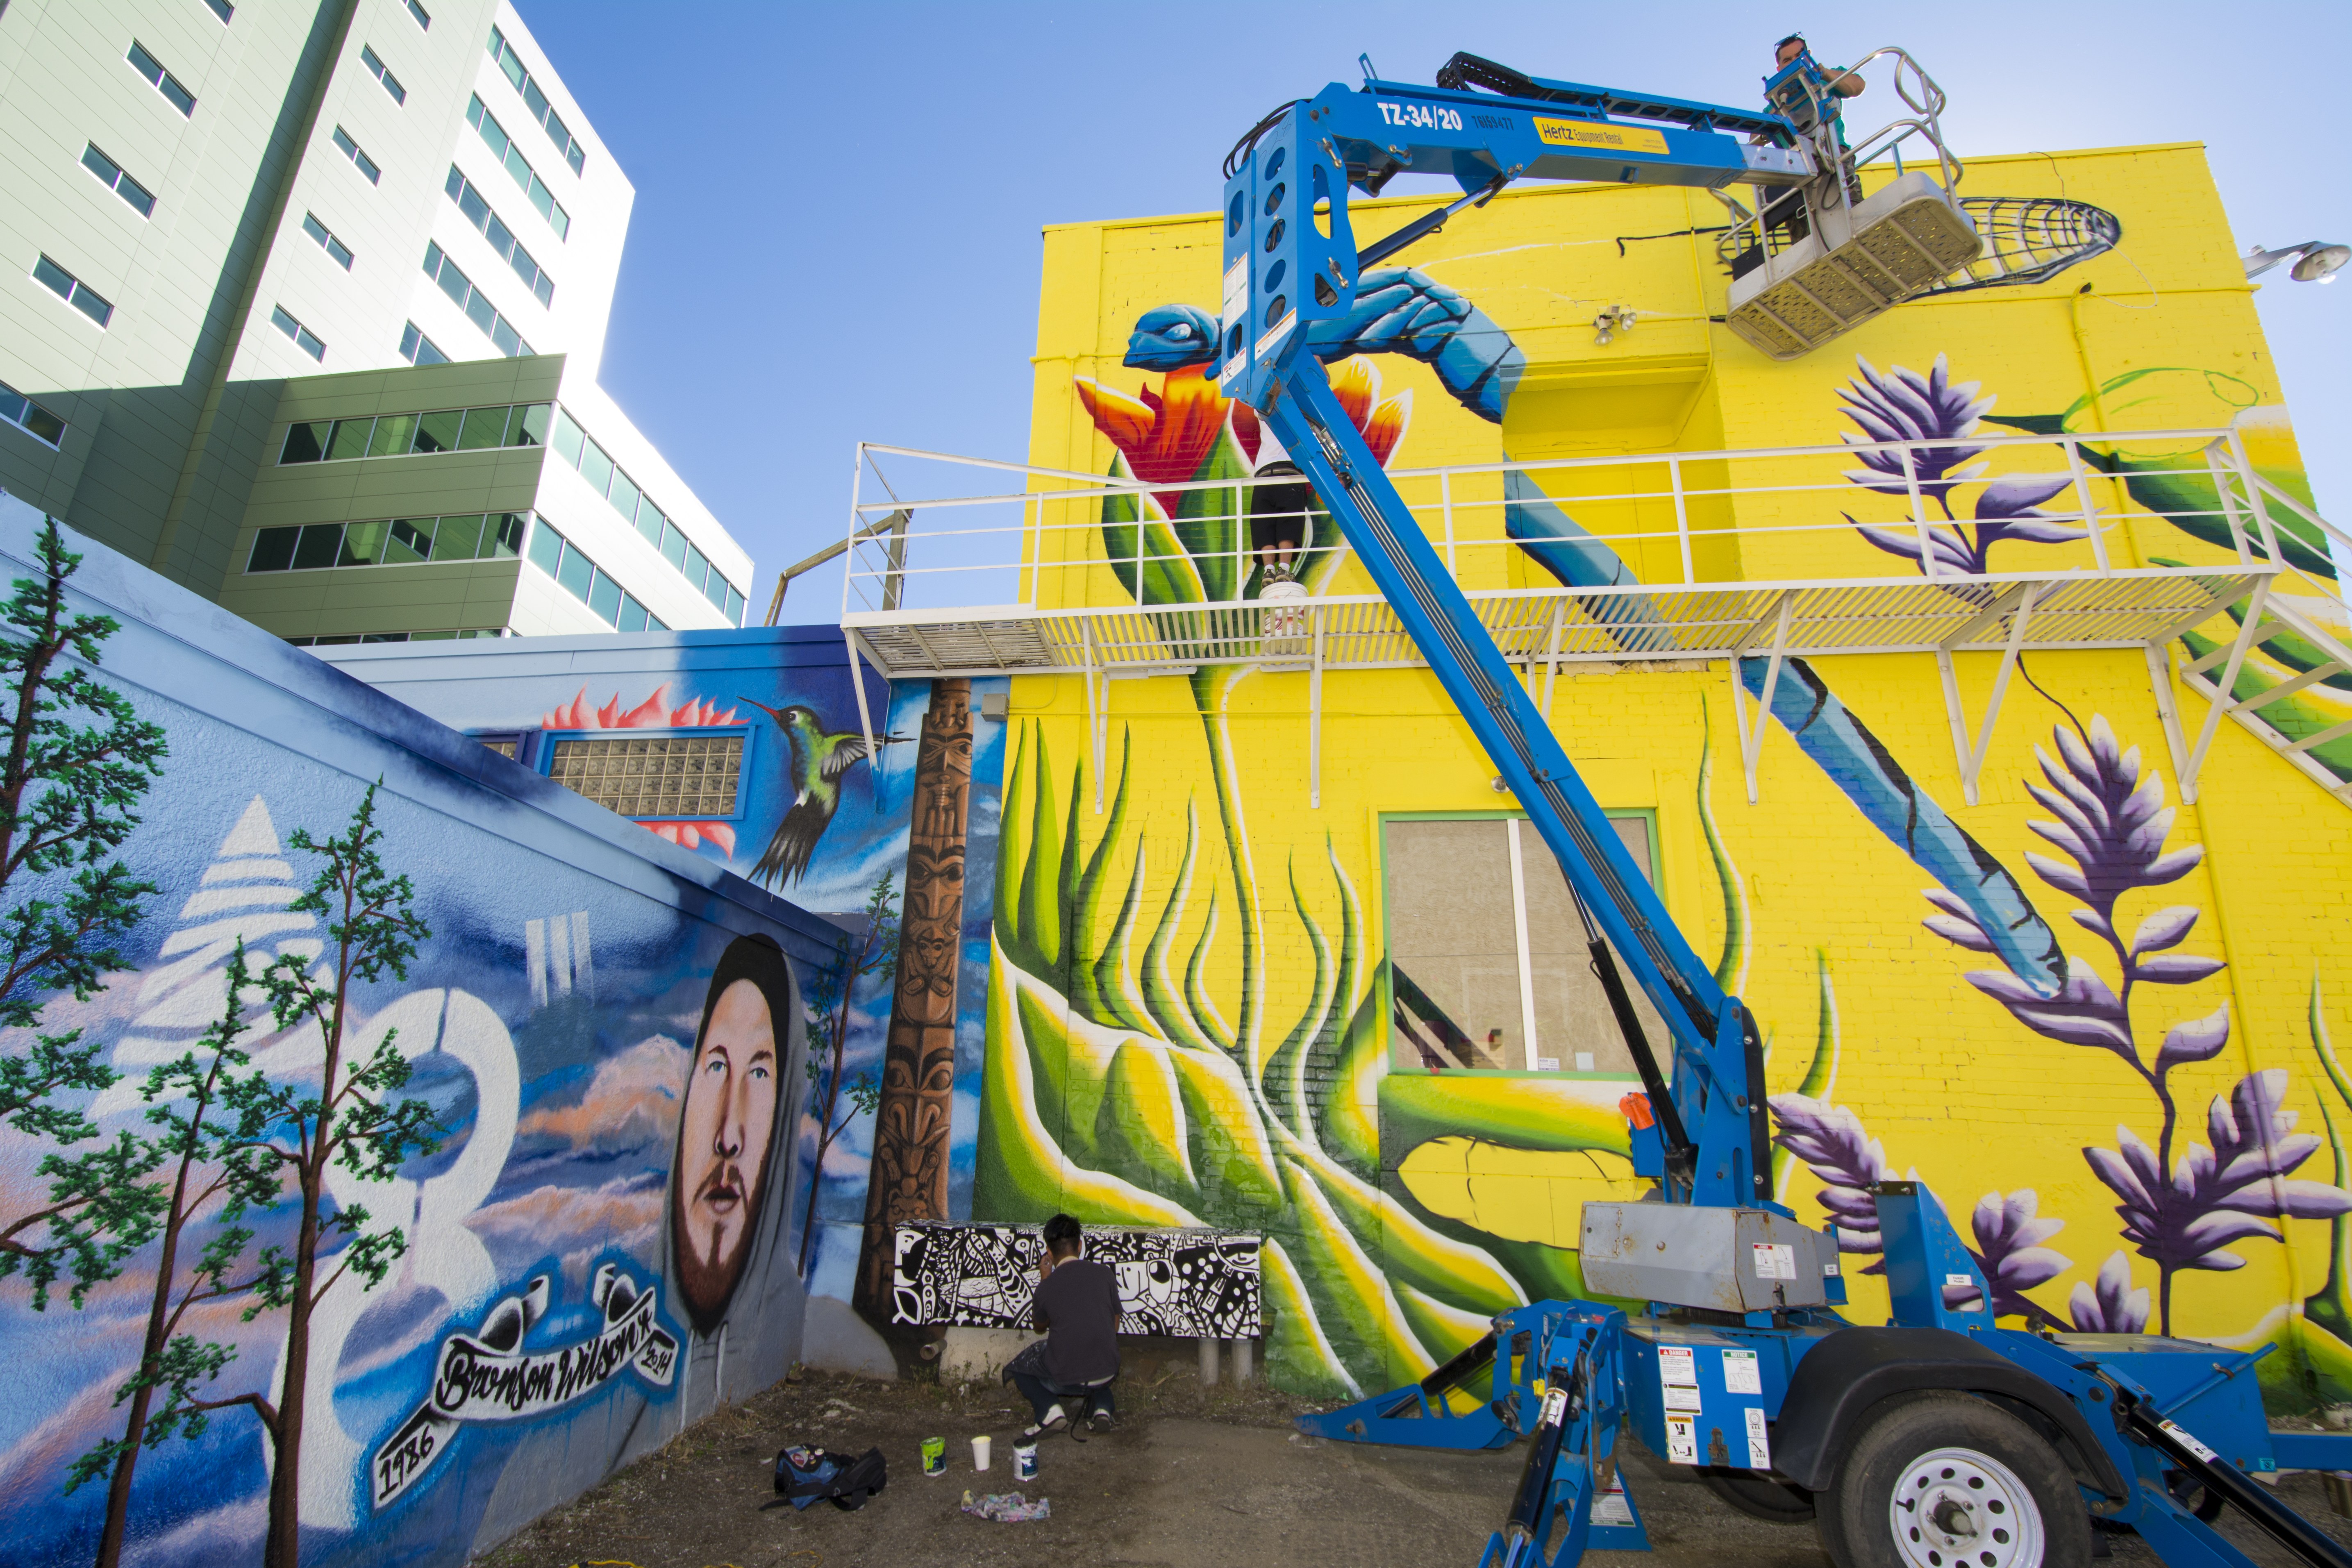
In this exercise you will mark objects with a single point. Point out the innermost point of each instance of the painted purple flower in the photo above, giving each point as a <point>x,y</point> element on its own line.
<point>2009,1249</point>
<point>1835,1145</point>
<point>2229,1193</point>
<point>1904,405</point>
<point>2112,1306</point>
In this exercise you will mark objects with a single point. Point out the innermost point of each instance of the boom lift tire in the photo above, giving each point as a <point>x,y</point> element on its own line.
<point>1971,1485</point>
<point>1758,1496</point>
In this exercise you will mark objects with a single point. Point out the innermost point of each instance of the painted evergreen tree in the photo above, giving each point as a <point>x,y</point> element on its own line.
<point>345,1111</point>
<point>215,1172</point>
<point>79,759</point>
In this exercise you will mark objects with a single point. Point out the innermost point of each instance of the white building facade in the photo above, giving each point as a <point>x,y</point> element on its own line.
<point>223,221</point>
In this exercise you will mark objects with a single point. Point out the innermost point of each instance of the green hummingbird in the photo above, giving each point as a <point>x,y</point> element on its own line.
<point>819,759</point>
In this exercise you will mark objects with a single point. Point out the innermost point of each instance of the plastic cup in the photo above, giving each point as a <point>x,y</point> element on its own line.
<point>979,1452</point>
<point>1024,1461</point>
<point>935,1455</point>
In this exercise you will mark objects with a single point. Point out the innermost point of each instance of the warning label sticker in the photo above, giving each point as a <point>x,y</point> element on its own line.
<point>1760,1445</point>
<point>1611,1506</point>
<point>1740,1372</point>
<point>1681,1440</point>
<point>1678,1365</point>
<point>1774,1262</point>
<point>1681,1398</point>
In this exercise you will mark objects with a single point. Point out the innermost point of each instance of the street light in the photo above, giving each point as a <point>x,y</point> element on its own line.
<point>2315,261</point>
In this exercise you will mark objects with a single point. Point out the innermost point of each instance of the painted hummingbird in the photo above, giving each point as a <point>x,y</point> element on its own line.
<point>819,760</point>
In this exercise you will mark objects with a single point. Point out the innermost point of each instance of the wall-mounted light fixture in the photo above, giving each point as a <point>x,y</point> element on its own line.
<point>2315,261</point>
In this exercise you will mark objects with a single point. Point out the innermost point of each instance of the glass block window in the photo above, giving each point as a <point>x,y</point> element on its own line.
<point>661,775</point>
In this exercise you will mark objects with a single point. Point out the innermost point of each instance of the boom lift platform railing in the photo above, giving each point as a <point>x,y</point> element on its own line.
<point>1938,1440</point>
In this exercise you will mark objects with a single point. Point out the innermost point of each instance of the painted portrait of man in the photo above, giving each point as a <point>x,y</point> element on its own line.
<point>728,1129</point>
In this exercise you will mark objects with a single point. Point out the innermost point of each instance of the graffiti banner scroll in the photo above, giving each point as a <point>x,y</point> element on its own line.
<point>484,1376</point>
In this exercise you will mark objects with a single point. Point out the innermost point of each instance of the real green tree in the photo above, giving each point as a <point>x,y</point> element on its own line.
<point>79,759</point>
<point>877,947</point>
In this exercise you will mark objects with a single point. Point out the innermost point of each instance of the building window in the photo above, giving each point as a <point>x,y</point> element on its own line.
<point>304,339</point>
<point>163,81</point>
<point>359,161</point>
<point>1487,965</point>
<point>375,67</point>
<point>111,175</point>
<point>588,583</point>
<point>392,542</point>
<point>470,202</point>
<point>465,635</point>
<point>401,435</point>
<point>579,451</point>
<point>334,247</point>
<point>30,418</point>
<point>423,17</point>
<point>222,9</point>
<point>519,166</point>
<point>473,302</point>
<point>72,291</point>
<point>574,155</point>
<point>653,775</point>
<point>418,349</point>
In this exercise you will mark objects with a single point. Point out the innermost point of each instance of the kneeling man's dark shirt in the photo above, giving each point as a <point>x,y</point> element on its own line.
<point>1077,1305</point>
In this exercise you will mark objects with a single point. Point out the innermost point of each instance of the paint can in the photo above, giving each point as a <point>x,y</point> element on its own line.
<point>935,1455</point>
<point>1024,1461</point>
<point>979,1452</point>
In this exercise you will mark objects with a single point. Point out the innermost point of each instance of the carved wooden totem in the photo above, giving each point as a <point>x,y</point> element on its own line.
<point>909,1180</point>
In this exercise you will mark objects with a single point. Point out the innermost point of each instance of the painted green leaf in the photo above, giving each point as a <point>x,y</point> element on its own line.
<point>1043,892</point>
<point>1298,1356</point>
<point>1523,1112</point>
<point>1353,1299</point>
<point>1162,996</point>
<point>1140,1130</point>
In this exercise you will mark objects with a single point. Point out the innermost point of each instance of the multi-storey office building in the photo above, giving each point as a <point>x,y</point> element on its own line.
<point>234,232</point>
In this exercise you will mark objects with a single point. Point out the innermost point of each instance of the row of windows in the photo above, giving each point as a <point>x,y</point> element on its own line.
<point>335,248</point>
<point>109,174</point>
<point>163,81</point>
<point>359,161</point>
<point>473,302</point>
<point>468,634</point>
<point>418,349</point>
<point>483,121</point>
<point>589,583</point>
<point>29,417</point>
<point>574,153</point>
<point>377,69</point>
<point>478,212</point>
<point>304,337</point>
<point>394,541</point>
<point>607,480</point>
<point>653,775</point>
<point>397,434</point>
<point>72,291</point>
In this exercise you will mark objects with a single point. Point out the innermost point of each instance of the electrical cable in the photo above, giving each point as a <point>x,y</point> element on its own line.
<point>1624,239</point>
<point>1242,148</point>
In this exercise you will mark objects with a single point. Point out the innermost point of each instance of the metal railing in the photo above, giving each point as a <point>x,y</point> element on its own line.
<point>1648,521</point>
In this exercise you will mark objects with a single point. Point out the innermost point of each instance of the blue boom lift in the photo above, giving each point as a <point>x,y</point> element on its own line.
<point>1939,1441</point>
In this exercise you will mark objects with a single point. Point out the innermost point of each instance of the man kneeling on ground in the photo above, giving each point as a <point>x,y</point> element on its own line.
<point>1067,1374</point>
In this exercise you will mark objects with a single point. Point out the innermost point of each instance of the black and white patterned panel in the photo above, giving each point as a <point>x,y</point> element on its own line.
<point>1185,1284</point>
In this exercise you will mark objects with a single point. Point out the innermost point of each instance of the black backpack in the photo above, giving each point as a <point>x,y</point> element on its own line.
<point>805,1473</point>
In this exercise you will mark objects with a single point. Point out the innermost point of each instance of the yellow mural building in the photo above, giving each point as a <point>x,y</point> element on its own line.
<point>1896,664</point>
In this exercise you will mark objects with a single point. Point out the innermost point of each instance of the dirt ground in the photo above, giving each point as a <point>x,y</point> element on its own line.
<point>1190,1477</point>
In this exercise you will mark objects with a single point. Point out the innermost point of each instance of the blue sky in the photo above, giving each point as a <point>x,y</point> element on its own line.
<point>838,205</point>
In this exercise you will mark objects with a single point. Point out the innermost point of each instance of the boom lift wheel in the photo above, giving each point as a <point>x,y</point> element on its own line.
<point>1758,1496</point>
<point>1948,1480</point>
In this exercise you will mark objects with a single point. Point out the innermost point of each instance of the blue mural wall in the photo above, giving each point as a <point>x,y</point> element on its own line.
<point>580,1277</point>
<point>814,819</point>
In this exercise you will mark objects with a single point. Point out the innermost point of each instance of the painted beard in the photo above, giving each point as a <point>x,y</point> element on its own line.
<point>711,1234</point>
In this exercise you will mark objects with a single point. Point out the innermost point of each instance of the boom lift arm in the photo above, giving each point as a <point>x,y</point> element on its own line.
<point>1794,1404</point>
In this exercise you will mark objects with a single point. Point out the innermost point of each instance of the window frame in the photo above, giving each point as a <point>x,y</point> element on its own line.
<point>326,240</point>
<point>32,405</point>
<point>569,148</point>
<point>163,74</point>
<point>372,63</point>
<point>349,146</point>
<point>122,177</point>
<point>1385,998</point>
<point>439,266</point>
<point>73,294</point>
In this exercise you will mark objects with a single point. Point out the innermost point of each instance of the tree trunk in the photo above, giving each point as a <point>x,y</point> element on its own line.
<point>908,1178</point>
<point>158,1313</point>
<point>284,1547</point>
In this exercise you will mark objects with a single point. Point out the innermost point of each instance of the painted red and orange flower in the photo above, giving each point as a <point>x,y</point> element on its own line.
<point>1166,436</point>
